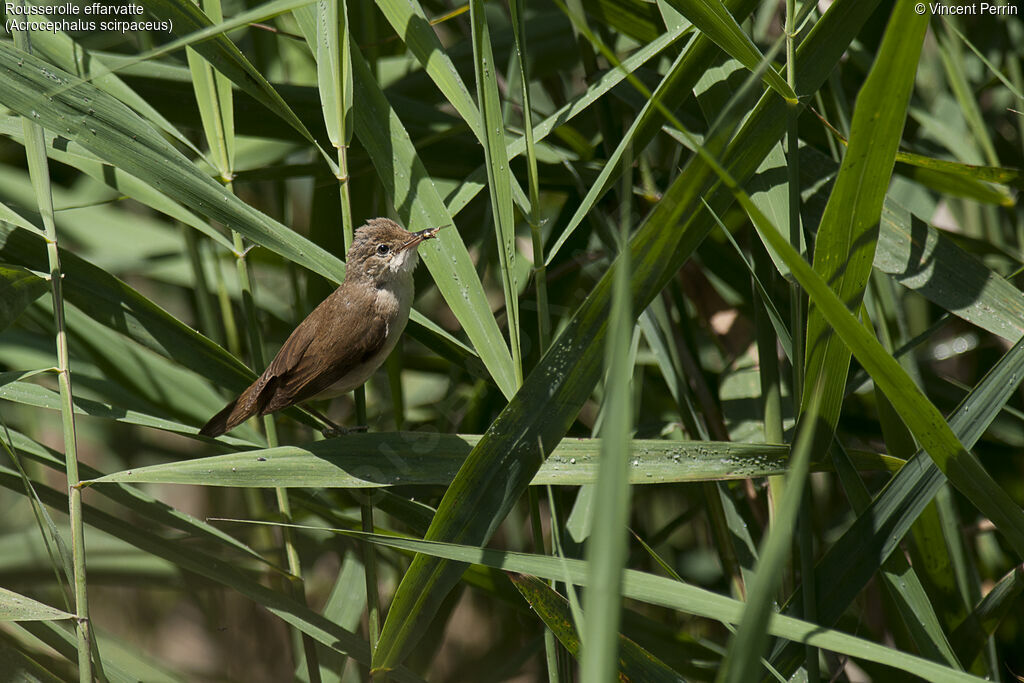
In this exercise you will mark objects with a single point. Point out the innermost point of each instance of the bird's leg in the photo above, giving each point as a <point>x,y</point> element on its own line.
<point>338,430</point>
<point>330,429</point>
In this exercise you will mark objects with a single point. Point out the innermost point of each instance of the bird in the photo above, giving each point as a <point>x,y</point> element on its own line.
<point>347,337</point>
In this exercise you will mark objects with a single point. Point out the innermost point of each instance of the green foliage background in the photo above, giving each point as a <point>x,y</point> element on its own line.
<point>728,324</point>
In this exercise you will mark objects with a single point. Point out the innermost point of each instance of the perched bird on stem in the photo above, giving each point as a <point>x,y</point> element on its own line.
<point>347,337</point>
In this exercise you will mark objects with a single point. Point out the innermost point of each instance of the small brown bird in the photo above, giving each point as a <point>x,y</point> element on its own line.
<point>347,337</point>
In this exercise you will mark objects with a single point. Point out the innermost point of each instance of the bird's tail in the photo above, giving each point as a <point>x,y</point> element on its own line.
<point>250,402</point>
<point>227,419</point>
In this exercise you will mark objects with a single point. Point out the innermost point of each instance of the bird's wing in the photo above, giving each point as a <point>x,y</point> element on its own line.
<point>301,373</point>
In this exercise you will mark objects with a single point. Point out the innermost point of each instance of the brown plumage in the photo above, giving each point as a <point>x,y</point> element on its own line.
<point>346,338</point>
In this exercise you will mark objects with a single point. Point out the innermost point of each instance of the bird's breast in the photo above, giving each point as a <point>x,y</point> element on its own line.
<point>394,300</point>
<point>391,303</point>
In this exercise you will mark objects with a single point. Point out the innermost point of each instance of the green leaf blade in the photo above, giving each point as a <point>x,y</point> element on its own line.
<point>845,246</point>
<point>19,287</point>
<point>715,21</point>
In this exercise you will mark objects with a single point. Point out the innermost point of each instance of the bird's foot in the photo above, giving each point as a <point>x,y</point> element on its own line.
<point>337,430</point>
<point>329,429</point>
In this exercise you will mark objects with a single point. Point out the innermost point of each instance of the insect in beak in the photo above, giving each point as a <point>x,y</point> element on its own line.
<point>418,237</point>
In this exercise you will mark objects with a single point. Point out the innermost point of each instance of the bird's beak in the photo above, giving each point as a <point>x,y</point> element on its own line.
<point>417,237</point>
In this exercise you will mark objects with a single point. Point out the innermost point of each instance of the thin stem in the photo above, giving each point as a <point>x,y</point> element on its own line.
<point>35,152</point>
<point>232,341</point>
<point>369,553</point>
<point>768,371</point>
<point>204,296</point>
<point>540,287</point>
<point>797,321</point>
<point>804,540</point>
<point>370,570</point>
<point>550,643</point>
<point>84,627</point>
<point>539,269</point>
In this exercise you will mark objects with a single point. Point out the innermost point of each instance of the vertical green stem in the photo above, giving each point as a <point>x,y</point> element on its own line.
<point>84,628</point>
<point>369,553</point>
<point>550,643</point>
<point>35,152</point>
<point>793,167</point>
<point>805,552</point>
<point>540,286</point>
<point>767,353</point>
<point>294,564</point>
<point>539,269</point>
<point>804,541</point>
<point>203,294</point>
<point>370,567</point>
<point>768,370</point>
<point>232,341</point>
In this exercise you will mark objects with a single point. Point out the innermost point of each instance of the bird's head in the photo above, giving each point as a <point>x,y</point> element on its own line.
<point>382,250</point>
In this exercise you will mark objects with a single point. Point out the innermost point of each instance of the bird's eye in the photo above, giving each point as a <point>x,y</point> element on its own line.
<point>383,249</point>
